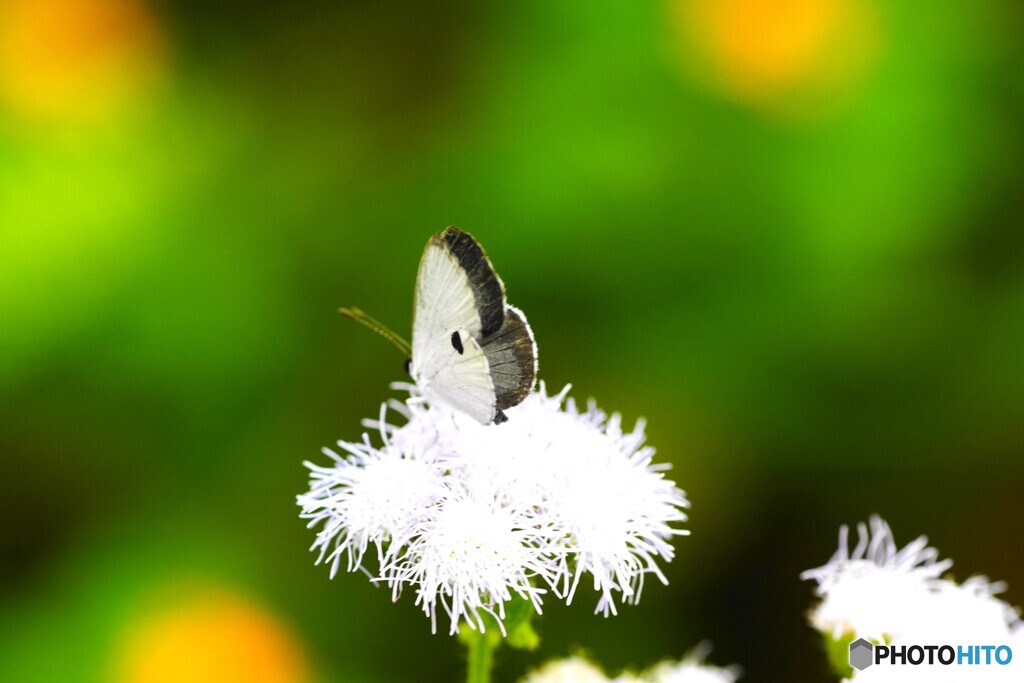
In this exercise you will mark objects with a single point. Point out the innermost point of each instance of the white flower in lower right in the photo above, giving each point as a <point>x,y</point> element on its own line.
<point>898,598</point>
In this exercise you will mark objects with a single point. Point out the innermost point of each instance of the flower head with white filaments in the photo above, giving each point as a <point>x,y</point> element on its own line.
<point>872,590</point>
<point>470,517</point>
<point>900,596</point>
<point>691,669</point>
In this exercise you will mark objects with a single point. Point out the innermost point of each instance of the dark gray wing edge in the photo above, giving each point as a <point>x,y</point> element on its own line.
<point>488,290</point>
<point>512,357</point>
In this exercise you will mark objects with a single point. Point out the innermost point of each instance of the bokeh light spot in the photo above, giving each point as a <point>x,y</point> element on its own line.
<point>214,637</point>
<point>77,59</point>
<point>790,56</point>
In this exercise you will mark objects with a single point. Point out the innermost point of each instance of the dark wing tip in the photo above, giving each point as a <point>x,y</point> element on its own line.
<point>488,290</point>
<point>458,239</point>
<point>452,232</point>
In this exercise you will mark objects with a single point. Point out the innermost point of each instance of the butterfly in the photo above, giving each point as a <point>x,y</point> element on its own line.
<point>470,349</point>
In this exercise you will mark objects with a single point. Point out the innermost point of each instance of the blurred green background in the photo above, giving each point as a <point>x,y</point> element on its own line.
<point>787,233</point>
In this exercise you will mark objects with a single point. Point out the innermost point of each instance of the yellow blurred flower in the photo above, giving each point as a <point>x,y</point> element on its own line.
<point>77,59</point>
<point>783,56</point>
<point>214,637</point>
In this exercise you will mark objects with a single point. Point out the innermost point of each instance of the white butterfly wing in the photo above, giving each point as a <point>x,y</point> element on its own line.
<point>462,380</point>
<point>443,303</point>
<point>445,306</point>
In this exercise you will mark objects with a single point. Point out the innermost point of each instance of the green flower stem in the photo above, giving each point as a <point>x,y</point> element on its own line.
<point>482,646</point>
<point>481,656</point>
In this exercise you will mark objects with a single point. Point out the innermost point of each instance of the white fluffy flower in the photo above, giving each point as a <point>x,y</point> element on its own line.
<point>877,590</point>
<point>691,669</point>
<point>898,596</point>
<point>469,516</point>
<point>365,498</point>
<point>571,670</point>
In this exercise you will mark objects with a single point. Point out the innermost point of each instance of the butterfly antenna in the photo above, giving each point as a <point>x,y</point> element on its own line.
<point>380,328</point>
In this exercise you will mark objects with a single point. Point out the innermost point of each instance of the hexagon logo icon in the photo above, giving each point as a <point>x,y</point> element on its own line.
<point>861,654</point>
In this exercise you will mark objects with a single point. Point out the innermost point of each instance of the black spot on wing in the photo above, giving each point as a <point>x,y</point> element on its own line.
<point>488,293</point>
<point>512,359</point>
<point>457,342</point>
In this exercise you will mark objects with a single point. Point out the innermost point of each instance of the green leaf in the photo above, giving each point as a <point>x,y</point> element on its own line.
<point>518,617</point>
<point>838,651</point>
